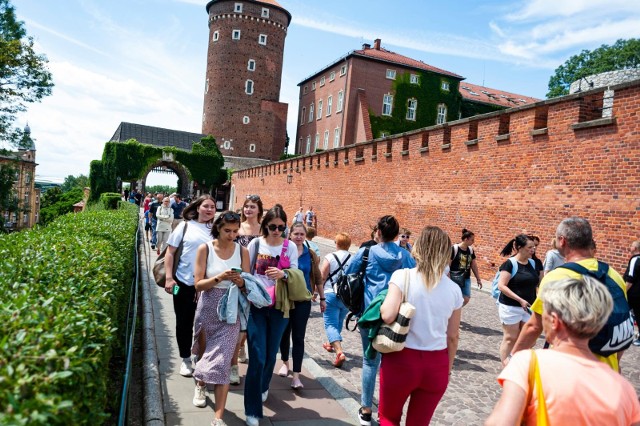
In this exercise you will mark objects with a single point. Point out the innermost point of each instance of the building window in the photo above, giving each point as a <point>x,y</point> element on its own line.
<point>336,137</point>
<point>251,65</point>
<point>445,86</point>
<point>262,39</point>
<point>245,119</point>
<point>387,104</point>
<point>305,89</point>
<point>313,86</point>
<point>265,12</point>
<point>252,147</point>
<point>248,87</point>
<point>414,79</point>
<point>319,114</point>
<point>332,76</point>
<point>308,144</point>
<point>304,113</point>
<point>412,105</point>
<point>311,112</point>
<point>329,104</point>
<point>206,88</point>
<point>226,144</point>
<point>391,74</point>
<point>317,142</point>
<point>340,101</point>
<point>442,114</point>
<point>343,70</point>
<point>326,139</point>
<point>235,35</point>
<point>216,35</point>
<point>322,81</point>
<point>237,8</point>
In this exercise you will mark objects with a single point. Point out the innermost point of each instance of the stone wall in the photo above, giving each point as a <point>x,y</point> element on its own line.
<point>498,174</point>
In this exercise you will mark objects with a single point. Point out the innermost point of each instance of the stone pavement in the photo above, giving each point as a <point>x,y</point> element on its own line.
<point>331,396</point>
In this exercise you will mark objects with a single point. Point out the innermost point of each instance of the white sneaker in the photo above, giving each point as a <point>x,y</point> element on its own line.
<point>242,356</point>
<point>252,421</point>
<point>199,398</point>
<point>265,394</point>
<point>186,370</point>
<point>218,422</point>
<point>234,377</point>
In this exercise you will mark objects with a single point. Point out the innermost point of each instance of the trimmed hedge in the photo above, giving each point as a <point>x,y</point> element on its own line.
<point>110,200</point>
<point>65,291</point>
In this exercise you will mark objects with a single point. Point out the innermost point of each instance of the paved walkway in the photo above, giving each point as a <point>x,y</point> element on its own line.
<point>331,396</point>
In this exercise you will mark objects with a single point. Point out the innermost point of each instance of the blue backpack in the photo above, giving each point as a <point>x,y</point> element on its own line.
<point>617,334</point>
<point>495,293</point>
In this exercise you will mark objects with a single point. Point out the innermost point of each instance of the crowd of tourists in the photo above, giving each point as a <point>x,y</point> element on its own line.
<point>252,276</point>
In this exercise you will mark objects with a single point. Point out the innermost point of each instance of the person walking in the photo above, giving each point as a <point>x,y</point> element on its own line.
<point>333,266</point>
<point>632,279</point>
<point>178,207</point>
<point>384,258</point>
<point>572,386</point>
<point>463,261</point>
<point>308,263</point>
<point>310,218</point>
<point>517,283</point>
<point>299,216</point>
<point>266,325</point>
<point>553,258</point>
<point>153,206</point>
<point>198,218</point>
<point>164,213</point>
<point>216,271</point>
<point>420,372</point>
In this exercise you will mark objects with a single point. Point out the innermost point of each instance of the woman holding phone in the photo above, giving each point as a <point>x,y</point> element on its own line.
<point>217,268</point>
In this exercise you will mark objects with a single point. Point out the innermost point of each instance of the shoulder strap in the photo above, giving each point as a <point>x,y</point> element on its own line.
<point>285,245</point>
<point>600,274</point>
<point>255,256</point>
<point>340,265</point>
<point>365,260</point>
<point>455,251</point>
<point>406,285</point>
<point>514,266</point>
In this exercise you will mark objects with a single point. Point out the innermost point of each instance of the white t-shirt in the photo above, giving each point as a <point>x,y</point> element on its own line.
<point>217,265</point>
<point>267,257</point>
<point>197,234</point>
<point>333,266</point>
<point>428,327</point>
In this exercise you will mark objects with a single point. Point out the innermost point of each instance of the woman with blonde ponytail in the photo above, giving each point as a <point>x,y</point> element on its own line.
<point>421,370</point>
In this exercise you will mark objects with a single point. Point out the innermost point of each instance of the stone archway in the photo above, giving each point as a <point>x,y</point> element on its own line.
<point>185,184</point>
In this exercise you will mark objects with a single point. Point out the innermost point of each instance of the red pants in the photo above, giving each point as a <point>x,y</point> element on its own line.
<point>421,375</point>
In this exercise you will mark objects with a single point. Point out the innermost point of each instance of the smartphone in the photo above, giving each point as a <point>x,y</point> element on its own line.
<point>238,270</point>
<point>176,289</point>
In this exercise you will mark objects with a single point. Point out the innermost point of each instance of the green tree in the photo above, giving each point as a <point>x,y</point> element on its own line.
<point>165,189</point>
<point>8,203</point>
<point>55,203</point>
<point>24,77</point>
<point>623,54</point>
<point>71,182</point>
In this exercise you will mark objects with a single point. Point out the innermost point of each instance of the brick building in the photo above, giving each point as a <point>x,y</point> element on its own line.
<point>373,92</point>
<point>24,208</point>
<point>516,170</point>
<point>242,107</point>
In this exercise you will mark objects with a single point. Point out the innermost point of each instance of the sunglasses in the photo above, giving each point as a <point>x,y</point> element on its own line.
<point>231,216</point>
<point>253,197</point>
<point>273,227</point>
<point>404,236</point>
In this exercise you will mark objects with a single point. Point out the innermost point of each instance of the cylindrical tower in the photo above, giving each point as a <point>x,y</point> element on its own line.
<point>242,108</point>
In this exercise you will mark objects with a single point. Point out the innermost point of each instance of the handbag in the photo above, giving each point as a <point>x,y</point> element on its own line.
<point>542,418</point>
<point>283,263</point>
<point>159,273</point>
<point>392,337</point>
<point>458,277</point>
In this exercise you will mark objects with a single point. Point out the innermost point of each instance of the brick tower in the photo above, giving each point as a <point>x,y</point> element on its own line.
<point>244,71</point>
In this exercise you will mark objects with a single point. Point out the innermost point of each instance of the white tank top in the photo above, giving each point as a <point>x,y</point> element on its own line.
<point>215,265</point>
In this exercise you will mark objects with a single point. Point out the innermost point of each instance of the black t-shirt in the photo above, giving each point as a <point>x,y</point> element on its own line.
<point>153,207</point>
<point>632,274</point>
<point>369,243</point>
<point>538,262</point>
<point>523,283</point>
<point>461,261</point>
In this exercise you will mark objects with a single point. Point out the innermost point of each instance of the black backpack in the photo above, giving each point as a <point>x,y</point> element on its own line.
<point>349,288</point>
<point>617,333</point>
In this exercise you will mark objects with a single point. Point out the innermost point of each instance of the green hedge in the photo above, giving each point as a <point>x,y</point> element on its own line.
<point>65,290</point>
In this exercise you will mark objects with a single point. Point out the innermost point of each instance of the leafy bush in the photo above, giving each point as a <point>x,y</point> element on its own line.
<point>55,203</point>
<point>65,293</point>
<point>110,200</point>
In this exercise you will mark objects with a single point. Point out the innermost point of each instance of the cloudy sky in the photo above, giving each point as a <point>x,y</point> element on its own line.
<point>143,61</point>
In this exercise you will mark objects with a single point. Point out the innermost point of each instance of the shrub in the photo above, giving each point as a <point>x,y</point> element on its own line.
<point>110,200</point>
<point>65,293</point>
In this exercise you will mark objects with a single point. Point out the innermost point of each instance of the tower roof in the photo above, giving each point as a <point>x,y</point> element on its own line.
<point>272,3</point>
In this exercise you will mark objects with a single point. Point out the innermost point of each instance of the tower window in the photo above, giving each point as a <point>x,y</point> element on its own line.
<point>248,87</point>
<point>235,35</point>
<point>412,105</point>
<point>262,39</point>
<point>322,81</point>
<point>442,114</point>
<point>265,12</point>
<point>252,147</point>
<point>206,87</point>
<point>343,70</point>
<point>245,119</point>
<point>237,8</point>
<point>216,35</point>
<point>251,65</point>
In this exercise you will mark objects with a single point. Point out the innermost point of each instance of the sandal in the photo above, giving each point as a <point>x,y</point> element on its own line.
<point>328,347</point>
<point>340,359</point>
<point>296,384</point>
<point>284,371</point>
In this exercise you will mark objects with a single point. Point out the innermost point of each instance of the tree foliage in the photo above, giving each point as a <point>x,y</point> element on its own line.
<point>71,182</point>
<point>623,54</point>
<point>56,202</point>
<point>165,189</point>
<point>24,77</point>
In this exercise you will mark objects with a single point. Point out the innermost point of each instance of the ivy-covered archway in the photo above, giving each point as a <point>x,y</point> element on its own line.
<point>131,161</point>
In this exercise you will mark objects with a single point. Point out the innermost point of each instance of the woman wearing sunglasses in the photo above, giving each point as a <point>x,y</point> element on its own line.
<point>216,271</point>
<point>270,254</point>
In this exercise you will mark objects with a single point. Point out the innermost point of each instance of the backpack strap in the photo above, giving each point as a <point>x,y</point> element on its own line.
<point>455,251</point>
<point>600,274</point>
<point>365,260</point>
<point>340,266</point>
<point>255,257</point>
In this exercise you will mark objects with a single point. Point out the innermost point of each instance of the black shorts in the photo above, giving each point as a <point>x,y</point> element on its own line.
<point>147,226</point>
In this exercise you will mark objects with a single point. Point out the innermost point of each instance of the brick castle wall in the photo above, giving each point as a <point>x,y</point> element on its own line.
<point>499,174</point>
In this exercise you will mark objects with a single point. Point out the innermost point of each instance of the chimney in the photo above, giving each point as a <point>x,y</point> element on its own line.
<point>366,46</point>
<point>376,44</point>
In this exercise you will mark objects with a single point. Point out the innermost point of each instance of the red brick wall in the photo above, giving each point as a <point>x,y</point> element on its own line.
<point>225,100</point>
<point>496,188</point>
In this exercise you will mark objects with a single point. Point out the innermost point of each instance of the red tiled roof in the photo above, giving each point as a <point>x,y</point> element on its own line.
<point>389,56</point>
<point>270,2</point>
<point>473,92</point>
